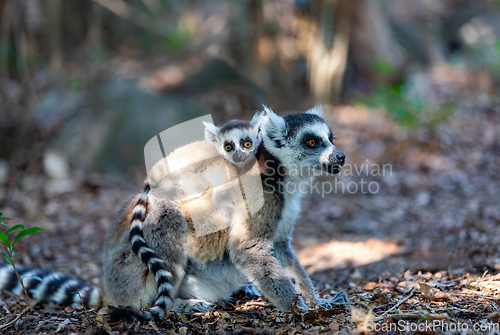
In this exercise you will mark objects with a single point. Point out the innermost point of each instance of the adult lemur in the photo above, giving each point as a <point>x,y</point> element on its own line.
<point>198,270</point>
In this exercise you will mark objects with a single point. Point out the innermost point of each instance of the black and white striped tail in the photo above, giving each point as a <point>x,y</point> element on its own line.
<point>148,256</point>
<point>54,287</point>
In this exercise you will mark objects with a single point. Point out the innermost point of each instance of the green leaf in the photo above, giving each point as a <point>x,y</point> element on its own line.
<point>17,226</point>
<point>8,259</point>
<point>4,239</point>
<point>26,232</point>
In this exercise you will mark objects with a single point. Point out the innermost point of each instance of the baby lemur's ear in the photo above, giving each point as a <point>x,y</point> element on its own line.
<point>316,110</point>
<point>273,125</point>
<point>211,132</point>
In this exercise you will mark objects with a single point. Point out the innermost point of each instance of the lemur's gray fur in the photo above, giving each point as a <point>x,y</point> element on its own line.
<point>199,270</point>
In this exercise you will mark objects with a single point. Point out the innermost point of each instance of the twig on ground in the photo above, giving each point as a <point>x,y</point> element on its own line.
<point>381,317</point>
<point>474,293</point>
<point>85,309</point>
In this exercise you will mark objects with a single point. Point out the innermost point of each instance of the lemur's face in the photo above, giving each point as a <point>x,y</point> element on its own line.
<point>238,146</point>
<point>237,141</point>
<point>303,142</point>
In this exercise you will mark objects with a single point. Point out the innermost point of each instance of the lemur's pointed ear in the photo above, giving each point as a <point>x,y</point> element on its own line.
<point>316,110</point>
<point>211,132</point>
<point>273,125</point>
<point>257,120</point>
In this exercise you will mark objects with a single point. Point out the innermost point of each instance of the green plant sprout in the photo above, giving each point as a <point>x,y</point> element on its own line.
<point>9,247</point>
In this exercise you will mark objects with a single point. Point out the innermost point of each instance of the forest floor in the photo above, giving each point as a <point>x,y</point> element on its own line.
<point>416,251</point>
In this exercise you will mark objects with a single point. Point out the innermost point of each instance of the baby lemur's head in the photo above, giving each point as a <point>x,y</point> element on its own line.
<point>237,141</point>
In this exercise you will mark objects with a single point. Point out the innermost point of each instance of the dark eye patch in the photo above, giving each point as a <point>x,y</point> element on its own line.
<point>228,145</point>
<point>247,139</point>
<point>311,140</point>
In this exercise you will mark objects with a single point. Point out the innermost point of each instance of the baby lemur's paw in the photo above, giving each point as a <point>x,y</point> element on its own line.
<point>340,298</point>
<point>192,306</point>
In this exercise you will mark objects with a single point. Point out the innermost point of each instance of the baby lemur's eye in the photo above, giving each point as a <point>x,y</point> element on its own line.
<point>228,147</point>
<point>311,143</point>
<point>247,144</point>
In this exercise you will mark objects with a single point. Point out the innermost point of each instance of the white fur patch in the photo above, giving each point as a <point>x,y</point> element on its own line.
<point>289,215</point>
<point>61,291</point>
<point>95,295</point>
<point>146,249</point>
<point>163,273</point>
<point>165,287</point>
<point>154,260</point>
<point>139,209</point>
<point>137,223</point>
<point>324,158</point>
<point>136,238</point>
<point>40,292</point>
<point>316,110</point>
<point>216,282</point>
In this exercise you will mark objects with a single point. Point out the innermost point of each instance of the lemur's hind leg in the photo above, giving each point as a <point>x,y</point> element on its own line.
<point>127,278</point>
<point>165,231</point>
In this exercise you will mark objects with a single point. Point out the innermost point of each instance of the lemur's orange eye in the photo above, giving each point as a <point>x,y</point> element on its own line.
<point>311,143</point>
<point>331,140</point>
<point>248,144</point>
<point>228,147</point>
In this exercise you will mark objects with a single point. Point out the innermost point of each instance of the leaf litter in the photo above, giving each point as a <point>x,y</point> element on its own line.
<point>436,212</point>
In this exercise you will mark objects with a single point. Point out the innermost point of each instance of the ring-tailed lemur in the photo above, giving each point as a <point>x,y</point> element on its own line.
<point>205,269</point>
<point>237,142</point>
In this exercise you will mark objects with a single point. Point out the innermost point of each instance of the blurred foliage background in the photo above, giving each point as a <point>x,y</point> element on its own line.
<point>411,84</point>
<point>90,81</point>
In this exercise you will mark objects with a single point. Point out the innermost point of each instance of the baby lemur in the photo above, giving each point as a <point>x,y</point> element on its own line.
<point>236,141</point>
<point>187,271</point>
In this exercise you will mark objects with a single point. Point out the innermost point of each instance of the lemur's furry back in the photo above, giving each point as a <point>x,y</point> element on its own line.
<point>204,269</point>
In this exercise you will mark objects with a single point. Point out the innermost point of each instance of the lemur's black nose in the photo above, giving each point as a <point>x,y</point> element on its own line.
<point>340,157</point>
<point>238,157</point>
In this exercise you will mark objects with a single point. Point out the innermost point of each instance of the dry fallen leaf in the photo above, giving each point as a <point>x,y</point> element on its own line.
<point>362,320</point>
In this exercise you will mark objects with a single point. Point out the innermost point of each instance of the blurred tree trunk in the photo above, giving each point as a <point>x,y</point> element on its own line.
<point>330,31</point>
<point>373,40</point>
<point>328,63</point>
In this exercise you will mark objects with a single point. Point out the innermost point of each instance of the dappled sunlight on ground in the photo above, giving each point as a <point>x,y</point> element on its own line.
<point>335,254</point>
